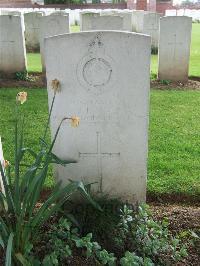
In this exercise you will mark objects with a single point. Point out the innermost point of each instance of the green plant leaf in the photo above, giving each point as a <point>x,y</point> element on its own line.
<point>2,243</point>
<point>21,259</point>
<point>9,250</point>
<point>57,160</point>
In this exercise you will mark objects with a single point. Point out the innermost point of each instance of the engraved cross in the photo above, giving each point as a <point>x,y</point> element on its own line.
<point>99,155</point>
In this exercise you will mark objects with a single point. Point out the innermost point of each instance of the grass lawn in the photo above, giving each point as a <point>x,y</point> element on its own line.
<point>174,142</point>
<point>34,61</point>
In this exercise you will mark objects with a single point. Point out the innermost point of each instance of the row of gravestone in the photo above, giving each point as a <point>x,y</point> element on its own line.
<point>15,36</point>
<point>174,40</point>
<point>105,80</point>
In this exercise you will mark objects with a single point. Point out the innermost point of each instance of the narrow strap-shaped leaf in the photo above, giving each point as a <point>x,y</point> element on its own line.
<point>57,160</point>
<point>69,189</point>
<point>8,193</point>
<point>3,229</point>
<point>21,259</point>
<point>30,151</point>
<point>9,250</point>
<point>38,187</point>
<point>1,242</point>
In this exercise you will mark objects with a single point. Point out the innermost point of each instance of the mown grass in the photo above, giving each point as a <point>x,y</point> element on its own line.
<point>36,111</point>
<point>34,61</point>
<point>174,142</point>
<point>174,136</point>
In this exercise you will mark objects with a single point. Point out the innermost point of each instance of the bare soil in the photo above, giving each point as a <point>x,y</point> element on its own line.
<point>181,218</point>
<point>39,81</point>
<point>192,84</point>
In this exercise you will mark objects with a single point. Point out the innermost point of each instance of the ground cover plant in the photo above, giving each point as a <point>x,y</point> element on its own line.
<point>173,163</point>
<point>133,238</point>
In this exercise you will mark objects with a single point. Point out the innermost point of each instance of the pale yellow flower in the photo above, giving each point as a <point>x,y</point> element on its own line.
<point>6,163</point>
<point>21,97</point>
<point>55,85</point>
<point>75,120</point>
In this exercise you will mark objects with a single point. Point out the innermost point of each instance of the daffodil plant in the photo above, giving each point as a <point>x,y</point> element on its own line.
<point>20,220</point>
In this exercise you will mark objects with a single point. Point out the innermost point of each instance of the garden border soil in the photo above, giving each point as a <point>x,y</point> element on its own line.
<point>39,81</point>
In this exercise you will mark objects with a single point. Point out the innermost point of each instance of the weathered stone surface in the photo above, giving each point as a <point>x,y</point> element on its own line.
<point>104,79</point>
<point>12,45</point>
<point>147,23</point>
<point>85,20</point>
<point>151,26</point>
<point>51,25</point>
<point>32,25</point>
<point>107,23</point>
<point>174,48</point>
<point>125,14</point>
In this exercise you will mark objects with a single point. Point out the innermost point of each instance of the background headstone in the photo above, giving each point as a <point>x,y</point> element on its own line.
<point>147,23</point>
<point>107,23</point>
<point>174,48</point>
<point>126,15</point>
<point>151,27</point>
<point>12,45</point>
<point>32,25</point>
<point>85,20</point>
<point>104,80</point>
<point>52,25</point>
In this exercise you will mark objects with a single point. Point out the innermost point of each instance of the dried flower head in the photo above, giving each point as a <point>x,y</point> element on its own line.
<point>6,163</point>
<point>75,120</point>
<point>55,85</point>
<point>21,97</point>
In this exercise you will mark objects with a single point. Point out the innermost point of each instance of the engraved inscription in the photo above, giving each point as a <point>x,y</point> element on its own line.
<point>97,72</point>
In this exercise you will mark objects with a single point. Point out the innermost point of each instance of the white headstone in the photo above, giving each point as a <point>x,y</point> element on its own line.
<point>11,12</point>
<point>127,20</point>
<point>32,24</point>
<point>52,25</point>
<point>104,79</point>
<point>126,15</point>
<point>107,23</point>
<point>12,45</point>
<point>137,20</point>
<point>85,20</point>
<point>174,48</point>
<point>147,23</point>
<point>151,26</point>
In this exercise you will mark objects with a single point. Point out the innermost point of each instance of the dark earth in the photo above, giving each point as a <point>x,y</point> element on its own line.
<point>181,218</point>
<point>37,80</point>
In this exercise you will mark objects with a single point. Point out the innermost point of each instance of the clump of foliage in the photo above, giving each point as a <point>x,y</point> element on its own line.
<point>62,239</point>
<point>165,81</point>
<point>154,50</point>
<point>153,76</point>
<point>144,241</point>
<point>150,239</point>
<point>20,217</point>
<point>23,75</point>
